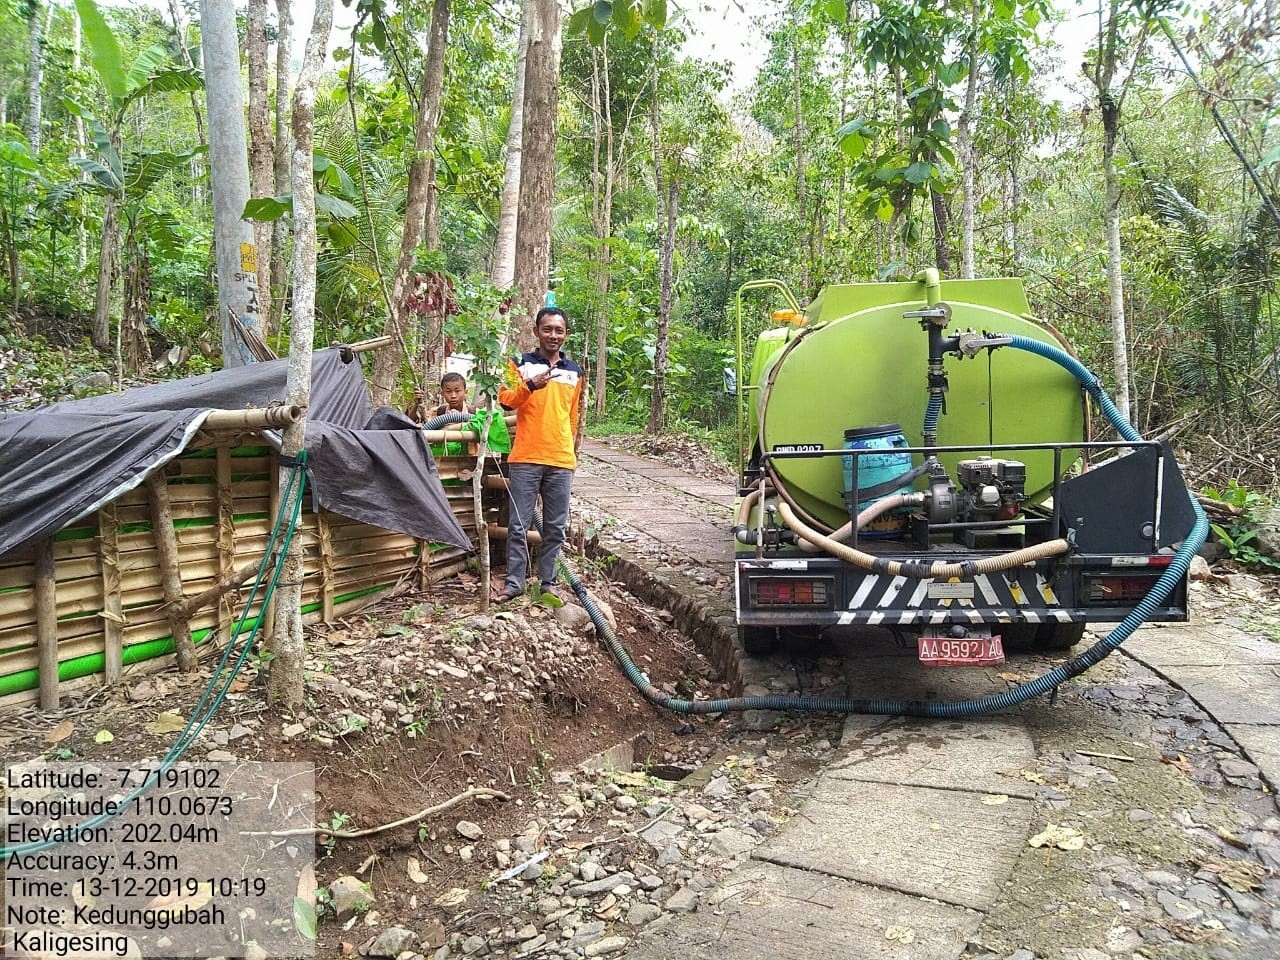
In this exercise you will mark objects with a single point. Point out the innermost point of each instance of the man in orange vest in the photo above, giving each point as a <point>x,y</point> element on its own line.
<point>544,388</point>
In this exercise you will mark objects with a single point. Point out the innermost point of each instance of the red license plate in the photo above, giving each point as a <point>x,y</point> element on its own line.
<point>969,652</point>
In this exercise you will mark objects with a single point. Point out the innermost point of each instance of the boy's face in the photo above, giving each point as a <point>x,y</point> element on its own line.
<point>552,331</point>
<point>455,394</point>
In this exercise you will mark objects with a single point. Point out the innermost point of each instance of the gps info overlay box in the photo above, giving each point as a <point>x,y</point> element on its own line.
<point>137,860</point>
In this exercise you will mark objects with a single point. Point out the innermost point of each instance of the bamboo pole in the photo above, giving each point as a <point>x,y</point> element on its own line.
<point>47,624</point>
<point>112,609</point>
<point>502,533</point>
<point>254,419</point>
<point>226,537</point>
<point>170,568</point>
<point>326,564</point>
<point>366,345</point>
<point>273,510</point>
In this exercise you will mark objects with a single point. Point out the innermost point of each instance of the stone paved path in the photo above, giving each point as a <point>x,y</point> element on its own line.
<point>917,824</point>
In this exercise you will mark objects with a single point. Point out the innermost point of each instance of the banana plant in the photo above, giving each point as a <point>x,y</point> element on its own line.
<point>124,177</point>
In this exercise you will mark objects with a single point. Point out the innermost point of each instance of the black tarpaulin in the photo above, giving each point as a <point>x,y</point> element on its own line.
<point>61,462</point>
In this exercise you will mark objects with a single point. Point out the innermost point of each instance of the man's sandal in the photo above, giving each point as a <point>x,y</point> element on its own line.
<point>505,595</point>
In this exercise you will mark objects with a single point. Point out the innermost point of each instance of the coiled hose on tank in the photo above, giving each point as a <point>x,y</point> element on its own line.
<point>1042,684</point>
<point>453,416</point>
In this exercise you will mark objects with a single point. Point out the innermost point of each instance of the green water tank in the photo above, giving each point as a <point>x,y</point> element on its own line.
<point>858,361</point>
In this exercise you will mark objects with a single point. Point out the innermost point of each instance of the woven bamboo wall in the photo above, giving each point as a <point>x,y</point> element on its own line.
<point>107,588</point>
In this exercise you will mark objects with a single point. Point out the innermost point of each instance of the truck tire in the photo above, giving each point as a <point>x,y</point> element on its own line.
<point>1016,637</point>
<point>1059,636</point>
<point>758,641</point>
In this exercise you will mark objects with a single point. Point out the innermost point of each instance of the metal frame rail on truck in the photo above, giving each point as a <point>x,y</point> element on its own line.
<point>912,458</point>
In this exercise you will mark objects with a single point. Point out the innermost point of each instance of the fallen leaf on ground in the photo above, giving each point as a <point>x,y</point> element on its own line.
<point>80,896</point>
<point>238,686</point>
<point>1011,677</point>
<point>307,883</point>
<point>103,736</point>
<point>166,723</point>
<point>413,870</point>
<point>995,799</point>
<point>1032,776</point>
<point>1179,761</point>
<point>174,903</point>
<point>1243,877</point>
<point>900,934</point>
<point>1064,838</point>
<point>454,897</point>
<point>60,732</point>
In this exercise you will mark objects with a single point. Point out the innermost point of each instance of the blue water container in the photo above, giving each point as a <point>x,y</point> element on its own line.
<point>875,470</point>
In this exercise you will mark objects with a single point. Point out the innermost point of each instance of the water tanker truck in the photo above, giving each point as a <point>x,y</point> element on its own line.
<point>917,456</point>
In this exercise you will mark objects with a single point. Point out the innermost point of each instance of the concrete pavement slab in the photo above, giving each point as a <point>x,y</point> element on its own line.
<point>1199,642</point>
<point>769,912</point>
<point>1262,744</point>
<point>983,753</point>
<point>949,845</point>
<point>1231,694</point>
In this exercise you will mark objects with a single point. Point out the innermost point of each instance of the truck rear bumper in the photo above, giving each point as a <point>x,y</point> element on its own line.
<point>823,591</point>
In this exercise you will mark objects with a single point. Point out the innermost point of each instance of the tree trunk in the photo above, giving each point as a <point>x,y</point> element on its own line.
<point>82,235</point>
<point>537,163</point>
<point>964,137</point>
<point>1115,267</point>
<point>602,123</point>
<point>36,27</point>
<point>502,272</point>
<point>666,289</point>
<point>802,199</point>
<point>1110,102</point>
<point>941,226</point>
<point>180,29</point>
<point>286,688</point>
<point>386,361</point>
<point>237,257</point>
<point>136,348</point>
<point>261,144</point>
<point>106,274</point>
<point>284,30</point>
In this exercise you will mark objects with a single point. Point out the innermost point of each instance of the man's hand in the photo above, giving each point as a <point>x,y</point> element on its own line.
<point>541,380</point>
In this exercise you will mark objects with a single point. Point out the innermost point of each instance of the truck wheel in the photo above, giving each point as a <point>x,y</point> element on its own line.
<point>1059,636</point>
<point>1016,637</point>
<point>758,641</point>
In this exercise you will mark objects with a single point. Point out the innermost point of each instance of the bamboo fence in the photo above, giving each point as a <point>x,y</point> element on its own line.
<point>159,567</point>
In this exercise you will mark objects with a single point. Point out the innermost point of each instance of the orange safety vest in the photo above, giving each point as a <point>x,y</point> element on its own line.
<point>546,419</point>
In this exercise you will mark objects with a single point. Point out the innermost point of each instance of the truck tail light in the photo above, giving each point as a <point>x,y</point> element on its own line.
<point>787,591</point>
<point>1112,589</point>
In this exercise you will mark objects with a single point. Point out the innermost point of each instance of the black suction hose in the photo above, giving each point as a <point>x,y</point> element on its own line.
<point>1043,684</point>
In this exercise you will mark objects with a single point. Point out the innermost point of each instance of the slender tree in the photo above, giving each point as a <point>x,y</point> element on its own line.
<point>261,144</point>
<point>537,161</point>
<point>502,272</point>
<point>37,27</point>
<point>286,688</point>
<point>237,257</point>
<point>964,140</point>
<point>180,31</point>
<point>284,30</point>
<point>386,364</point>
<point>1108,61</point>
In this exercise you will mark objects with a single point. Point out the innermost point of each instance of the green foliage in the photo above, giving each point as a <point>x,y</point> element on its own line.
<point>1238,537</point>
<point>478,329</point>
